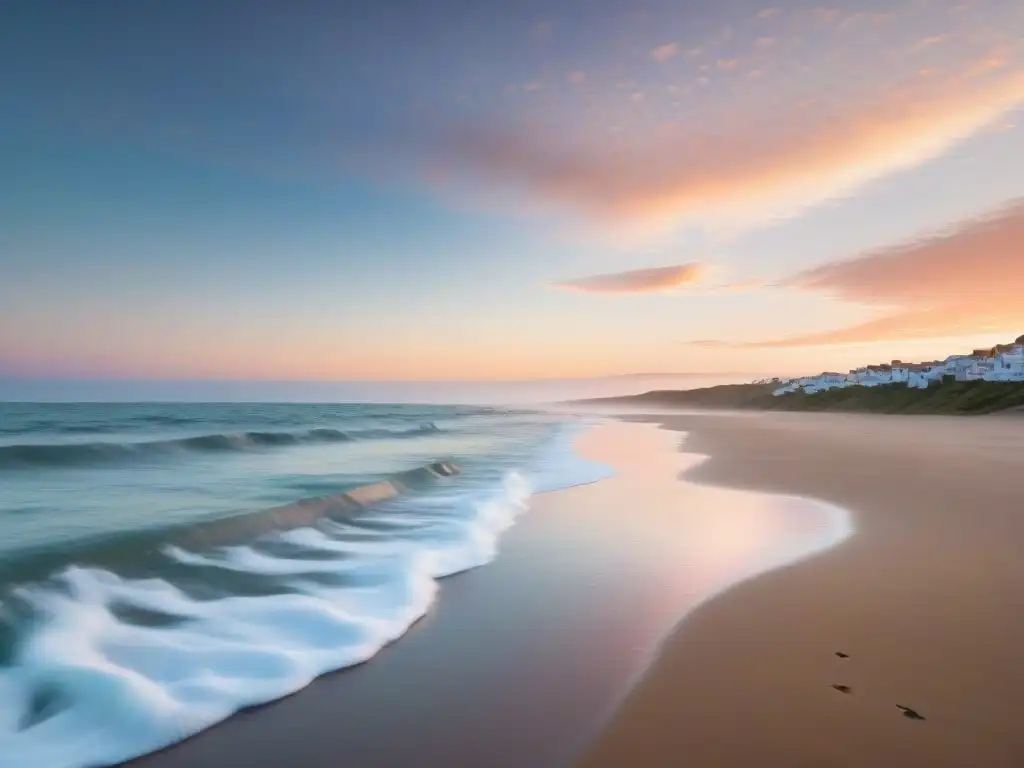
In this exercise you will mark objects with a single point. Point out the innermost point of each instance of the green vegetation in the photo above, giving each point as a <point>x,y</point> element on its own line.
<point>949,397</point>
<point>723,396</point>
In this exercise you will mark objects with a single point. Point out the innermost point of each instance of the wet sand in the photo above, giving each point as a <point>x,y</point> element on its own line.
<point>520,662</point>
<point>926,598</point>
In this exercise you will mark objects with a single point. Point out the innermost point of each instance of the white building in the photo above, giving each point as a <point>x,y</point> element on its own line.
<point>1004,362</point>
<point>812,384</point>
<point>872,375</point>
<point>956,365</point>
<point>922,376</point>
<point>1007,365</point>
<point>790,386</point>
<point>900,372</point>
<point>979,370</point>
<point>832,380</point>
<point>978,365</point>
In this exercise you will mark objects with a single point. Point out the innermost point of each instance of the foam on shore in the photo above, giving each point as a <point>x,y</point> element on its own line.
<point>110,666</point>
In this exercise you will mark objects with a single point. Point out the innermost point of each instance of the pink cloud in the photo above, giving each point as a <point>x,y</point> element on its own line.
<point>961,282</point>
<point>650,280</point>
<point>743,170</point>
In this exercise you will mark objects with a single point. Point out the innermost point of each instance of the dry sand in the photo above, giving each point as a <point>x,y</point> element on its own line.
<point>927,598</point>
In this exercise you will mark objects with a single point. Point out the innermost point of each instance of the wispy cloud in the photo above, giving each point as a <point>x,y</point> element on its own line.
<point>964,281</point>
<point>665,52</point>
<point>651,280</point>
<point>928,42</point>
<point>743,171</point>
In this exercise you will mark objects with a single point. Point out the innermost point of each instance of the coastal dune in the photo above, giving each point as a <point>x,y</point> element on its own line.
<point>920,608</point>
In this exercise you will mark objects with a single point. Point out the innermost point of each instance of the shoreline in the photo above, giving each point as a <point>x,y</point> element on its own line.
<point>946,398</point>
<point>546,640</point>
<point>920,599</point>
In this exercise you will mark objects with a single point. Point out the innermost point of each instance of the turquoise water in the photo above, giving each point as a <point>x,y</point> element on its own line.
<point>115,640</point>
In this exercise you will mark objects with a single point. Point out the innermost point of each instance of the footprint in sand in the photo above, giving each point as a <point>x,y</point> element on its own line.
<point>910,713</point>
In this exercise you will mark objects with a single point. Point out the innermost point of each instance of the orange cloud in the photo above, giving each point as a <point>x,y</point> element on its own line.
<point>747,170</point>
<point>650,280</point>
<point>966,281</point>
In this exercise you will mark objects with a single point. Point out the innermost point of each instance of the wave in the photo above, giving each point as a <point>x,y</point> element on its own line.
<point>92,684</point>
<point>86,454</point>
<point>114,658</point>
<point>134,551</point>
<point>61,427</point>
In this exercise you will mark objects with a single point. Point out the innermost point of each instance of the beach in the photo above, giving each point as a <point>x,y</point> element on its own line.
<point>522,661</point>
<point>923,599</point>
<point>691,608</point>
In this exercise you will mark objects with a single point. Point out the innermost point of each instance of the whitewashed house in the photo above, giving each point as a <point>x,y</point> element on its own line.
<point>1008,365</point>
<point>1004,362</point>
<point>812,384</point>
<point>832,380</point>
<point>978,370</point>
<point>899,372</point>
<point>790,386</point>
<point>956,364</point>
<point>968,367</point>
<point>858,376</point>
<point>873,375</point>
<point>922,376</point>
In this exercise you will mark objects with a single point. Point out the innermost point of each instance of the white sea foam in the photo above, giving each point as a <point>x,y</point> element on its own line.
<point>110,689</point>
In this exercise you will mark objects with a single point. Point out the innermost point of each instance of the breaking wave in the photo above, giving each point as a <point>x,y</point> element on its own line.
<point>24,455</point>
<point>107,660</point>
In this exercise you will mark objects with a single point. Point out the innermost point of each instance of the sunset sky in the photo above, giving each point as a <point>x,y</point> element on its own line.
<point>494,190</point>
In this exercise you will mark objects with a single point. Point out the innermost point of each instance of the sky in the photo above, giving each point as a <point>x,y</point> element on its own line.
<point>452,190</point>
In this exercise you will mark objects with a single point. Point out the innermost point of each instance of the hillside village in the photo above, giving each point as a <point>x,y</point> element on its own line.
<point>1003,362</point>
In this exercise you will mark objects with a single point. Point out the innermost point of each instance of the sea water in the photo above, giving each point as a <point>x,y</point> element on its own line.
<point>117,639</point>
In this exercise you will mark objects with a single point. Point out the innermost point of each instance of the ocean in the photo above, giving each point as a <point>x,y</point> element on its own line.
<point>122,631</point>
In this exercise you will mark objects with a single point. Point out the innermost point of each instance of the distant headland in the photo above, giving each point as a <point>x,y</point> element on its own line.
<point>984,381</point>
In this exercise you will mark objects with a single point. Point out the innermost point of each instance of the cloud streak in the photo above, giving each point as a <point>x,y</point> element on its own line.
<point>653,280</point>
<point>965,281</point>
<point>746,170</point>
